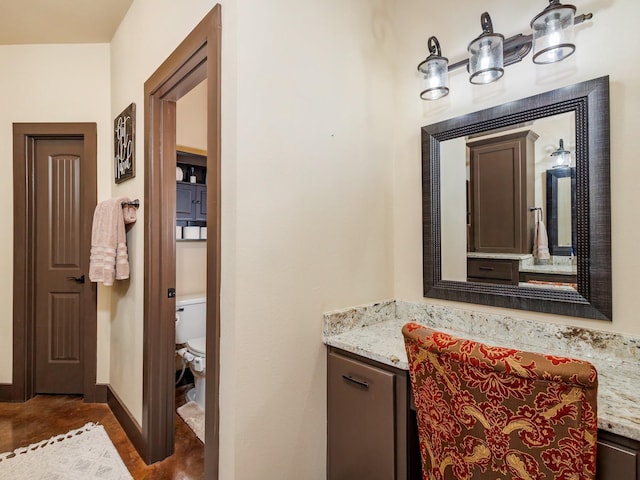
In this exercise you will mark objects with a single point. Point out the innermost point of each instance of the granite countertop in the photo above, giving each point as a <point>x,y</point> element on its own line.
<point>504,256</point>
<point>377,335</point>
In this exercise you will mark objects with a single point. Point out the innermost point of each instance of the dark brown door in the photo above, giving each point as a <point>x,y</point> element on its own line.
<point>63,298</point>
<point>502,190</point>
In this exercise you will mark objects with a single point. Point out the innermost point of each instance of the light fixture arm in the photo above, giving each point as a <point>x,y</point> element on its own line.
<point>434,46</point>
<point>515,48</point>
<point>485,22</point>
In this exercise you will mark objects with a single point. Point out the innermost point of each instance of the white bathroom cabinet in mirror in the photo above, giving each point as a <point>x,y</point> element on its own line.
<point>580,115</point>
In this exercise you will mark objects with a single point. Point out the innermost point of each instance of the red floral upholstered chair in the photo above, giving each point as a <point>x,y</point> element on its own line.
<point>499,413</point>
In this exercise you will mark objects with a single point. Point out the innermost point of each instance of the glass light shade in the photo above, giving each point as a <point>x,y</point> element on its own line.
<point>553,35</point>
<point>486,54</point>
<point>434,76</point>
<point>486,59</point>
<point>434,73</point>
<point>561,156</point>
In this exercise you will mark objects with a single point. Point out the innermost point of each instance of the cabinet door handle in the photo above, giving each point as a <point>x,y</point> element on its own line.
<point>361,383</point>
<point>488,269</point>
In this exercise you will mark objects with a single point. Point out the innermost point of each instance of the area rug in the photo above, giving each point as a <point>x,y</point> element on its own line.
<point>193,416</point>
<point>85,453</point>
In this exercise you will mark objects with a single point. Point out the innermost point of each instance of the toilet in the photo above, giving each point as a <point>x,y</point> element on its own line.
<point>191,341</point>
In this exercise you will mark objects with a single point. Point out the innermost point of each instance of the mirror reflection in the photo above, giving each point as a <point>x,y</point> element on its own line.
<point>508,205</point>
<point>563,202</point>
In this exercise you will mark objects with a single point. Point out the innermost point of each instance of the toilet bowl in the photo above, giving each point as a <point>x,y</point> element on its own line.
<point>191,341</point>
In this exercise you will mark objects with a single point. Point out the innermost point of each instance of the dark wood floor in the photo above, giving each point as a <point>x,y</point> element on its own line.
<point>44,416</point>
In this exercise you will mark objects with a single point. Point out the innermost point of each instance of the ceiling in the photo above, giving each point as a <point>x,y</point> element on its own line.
<point>60,21</point>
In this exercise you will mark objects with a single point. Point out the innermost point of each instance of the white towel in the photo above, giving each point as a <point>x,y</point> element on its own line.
<point>540,239</point>
<point>109,259</point>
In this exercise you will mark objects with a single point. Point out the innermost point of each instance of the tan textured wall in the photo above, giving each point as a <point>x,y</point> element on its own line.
<point>50,83</point>
<point>415,22</point>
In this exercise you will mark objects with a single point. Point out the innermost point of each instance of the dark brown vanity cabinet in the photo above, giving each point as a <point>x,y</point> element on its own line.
<point>372,428</point>
<point>366,419</point>
<point>618,457</point>
<point>501,193</point>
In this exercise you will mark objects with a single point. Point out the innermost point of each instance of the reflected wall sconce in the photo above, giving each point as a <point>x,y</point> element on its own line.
<point>562,156</point>
<point>551,39</point>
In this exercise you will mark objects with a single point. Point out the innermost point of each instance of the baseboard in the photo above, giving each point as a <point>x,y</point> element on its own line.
<point>101,393</point>
<point>126,420</point>
<point>6,392</point>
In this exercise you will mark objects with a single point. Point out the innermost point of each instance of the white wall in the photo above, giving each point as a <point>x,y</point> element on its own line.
<point>146,37</point>
<point>191,118</point>
<point>306,208</point>
<point>453,196</point>
<point>52,83</point>
<point>191,131</point>
<point>191,271</point>
<point>415,21</point>
<point>313,213</point>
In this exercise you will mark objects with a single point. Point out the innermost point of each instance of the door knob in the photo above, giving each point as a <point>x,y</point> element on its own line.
<point>77,279</point>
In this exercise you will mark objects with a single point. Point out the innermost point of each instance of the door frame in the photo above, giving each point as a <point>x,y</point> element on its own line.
<point>197,58</point>
<point>24,278</point>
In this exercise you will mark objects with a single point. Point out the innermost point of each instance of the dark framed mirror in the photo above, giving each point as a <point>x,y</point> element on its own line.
<point>586,104</point>
<point>561,210</point>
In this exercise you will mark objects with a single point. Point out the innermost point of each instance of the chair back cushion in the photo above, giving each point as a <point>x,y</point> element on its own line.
<point>488,412</point>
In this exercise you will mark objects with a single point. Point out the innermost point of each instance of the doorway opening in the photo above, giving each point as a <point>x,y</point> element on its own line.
<point>195,60</point>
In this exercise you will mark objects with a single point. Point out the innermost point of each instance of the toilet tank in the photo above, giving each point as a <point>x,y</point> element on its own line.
<point>191,319</point>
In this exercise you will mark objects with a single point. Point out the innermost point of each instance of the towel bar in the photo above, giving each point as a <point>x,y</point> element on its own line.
<point>134,203</point>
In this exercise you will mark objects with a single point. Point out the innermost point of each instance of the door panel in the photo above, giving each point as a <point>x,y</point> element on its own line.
<point>360,421</point>
<point>201,205</point>
<point>62,231</point>
<point>185,201</point>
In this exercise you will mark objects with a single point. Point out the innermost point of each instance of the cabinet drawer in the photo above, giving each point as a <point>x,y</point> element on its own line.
<point>361,420</point>
<point>495,269</point>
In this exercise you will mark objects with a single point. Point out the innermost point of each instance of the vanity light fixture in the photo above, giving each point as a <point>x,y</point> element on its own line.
<point>551,40</point>
<point>553,33</point>
<point>563,157</point>
<point>486,55</point>
<point>434,73</point>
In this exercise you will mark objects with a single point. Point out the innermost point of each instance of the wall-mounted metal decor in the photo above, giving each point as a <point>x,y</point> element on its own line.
<point>124,145</point>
